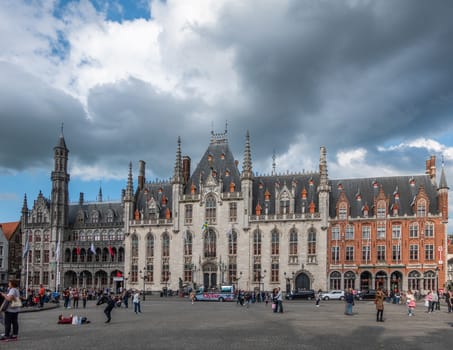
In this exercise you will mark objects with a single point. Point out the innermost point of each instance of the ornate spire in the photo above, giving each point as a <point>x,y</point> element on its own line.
<point>177,176</point>
<point>323,166</point>
<point>25,205</point>
<point>100,194</point>
<point>247,163</point>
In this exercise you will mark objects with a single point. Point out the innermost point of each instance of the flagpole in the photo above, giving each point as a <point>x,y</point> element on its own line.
<point>26,277</point>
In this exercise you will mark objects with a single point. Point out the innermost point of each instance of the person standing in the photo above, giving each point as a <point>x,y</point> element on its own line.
<point>75,298</point>
<point>434,301</point>
<point>349,302</point>
<point>318,297</point>
<point>410,301</point>
<point>429,301</point>
<point>42,293</point>
<point>448,299</point>
<point>279,300</point>
<point>126,298</point>
<point>84,297</point>
<point>11,313</point>
<point>136,301</point>
<point>379,301</point>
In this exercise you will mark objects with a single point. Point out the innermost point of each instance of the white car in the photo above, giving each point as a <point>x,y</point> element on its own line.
<point>333,295</point>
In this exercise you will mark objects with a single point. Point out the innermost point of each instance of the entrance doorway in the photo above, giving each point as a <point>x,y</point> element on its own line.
<point>302,282</point>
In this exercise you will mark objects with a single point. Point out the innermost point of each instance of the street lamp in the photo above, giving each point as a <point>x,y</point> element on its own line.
<point>262,282</point>
<point>288,283</point>
<point>437,279</point>
<point>238,278</point>
<point>144,278</point>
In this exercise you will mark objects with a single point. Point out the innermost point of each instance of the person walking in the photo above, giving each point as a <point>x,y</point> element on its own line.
<point>379,301</point>
<point>126,297</point>
<point>349,302</point>
<point>448,299</point>
<point>136,301</point>
<point>107,299</point>
<point>410,301</point>
<point>279,300</point>
<point>42,293</point>
<point>11,313</point>
<point>318,297</point>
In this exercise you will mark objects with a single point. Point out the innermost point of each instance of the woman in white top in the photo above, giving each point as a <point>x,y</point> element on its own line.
<point>11,313</point>
<point>136,301</point>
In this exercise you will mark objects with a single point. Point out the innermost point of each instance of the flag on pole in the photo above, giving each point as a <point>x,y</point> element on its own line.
<point>112,253</point>
<point>92,249</point>
<point>205,226</point>
<point>26,249</point>
<point>78,250</point>
<point>57,252</point>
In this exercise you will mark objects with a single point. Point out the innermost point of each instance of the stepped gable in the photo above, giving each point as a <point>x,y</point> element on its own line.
<point>400,185</point>
<point>298,182</point>
<point>154,199</point>
<point>103,208</point>
<point>218,159</point>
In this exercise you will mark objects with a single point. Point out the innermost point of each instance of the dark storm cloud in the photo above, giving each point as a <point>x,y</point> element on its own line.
<point>344,75</point>
<point>31,113</point>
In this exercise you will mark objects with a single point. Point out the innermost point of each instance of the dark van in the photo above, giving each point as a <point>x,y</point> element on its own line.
<point>301,294</point>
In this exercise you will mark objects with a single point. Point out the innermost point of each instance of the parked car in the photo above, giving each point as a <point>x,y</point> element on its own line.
<point>366,295</point>
<point>333,295</point>
<point>301,294</point>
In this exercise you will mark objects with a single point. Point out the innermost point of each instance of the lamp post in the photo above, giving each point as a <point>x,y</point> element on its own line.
<point>262,282</point>
<point>238,278</point>
<point>288,282</point>
<point>144,278</point>
<point>222,267</point>
<point>437,279</point>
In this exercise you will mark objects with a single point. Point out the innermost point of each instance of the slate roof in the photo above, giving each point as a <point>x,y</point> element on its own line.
<point>368,188</point>
<point>309,182</point>
<point>101,207</point>
<point>222,162</point>
<point>157,191</point>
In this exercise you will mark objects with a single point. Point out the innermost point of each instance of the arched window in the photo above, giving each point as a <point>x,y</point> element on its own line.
<point>188,243</point>
<point>97,235</point>
<point>74,255</point>
<point>257,242</point>
<point>211,209</point>
<point>429,229</point>
<point>232,242</point>
<point>335,280</point>
<point>293,242</point>
<point>349,280</point>
<point>165,244</point>
<point>105,235</point>
<point>149,245</point>
<point>83,254</point>
<point>429,280</point>
<point>94,217</point>
<point>275,242</point>
<point>121,254</point>
<point>110,215</point>
<point>105,255</point>
<point>134,246</point>
<point>414,280</point>
<point>311,242</point>
<point>210,243</point>
<point>67,255</point>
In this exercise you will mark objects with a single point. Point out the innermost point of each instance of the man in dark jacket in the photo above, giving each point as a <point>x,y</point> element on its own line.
<point>110,305</point>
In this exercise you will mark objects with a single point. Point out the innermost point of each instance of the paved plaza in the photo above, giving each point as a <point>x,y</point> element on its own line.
<point>174,323</point>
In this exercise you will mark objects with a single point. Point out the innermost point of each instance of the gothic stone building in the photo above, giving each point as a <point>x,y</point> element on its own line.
<point>220,224</point>
<point>72,244</point>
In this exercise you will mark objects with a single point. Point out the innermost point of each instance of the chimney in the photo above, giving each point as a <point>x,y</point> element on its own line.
<point>141,175</point>
<point>81,198</point>
<point>185,169</point>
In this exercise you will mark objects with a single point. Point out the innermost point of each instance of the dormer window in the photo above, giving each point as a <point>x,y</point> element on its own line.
<point>381,210</point>
<point>94,217</point>
<point>343,211</point>
<point>421,208</point>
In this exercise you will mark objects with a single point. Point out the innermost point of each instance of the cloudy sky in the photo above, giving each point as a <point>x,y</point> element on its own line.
<point>370,80</point>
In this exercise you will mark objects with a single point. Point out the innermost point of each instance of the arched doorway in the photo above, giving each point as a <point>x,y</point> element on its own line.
<point>210,276</point>
<point>302,282</point>
<point>365,280</point>
<point>396,280</point>
<point>70,279</point>
<point>381,280</point>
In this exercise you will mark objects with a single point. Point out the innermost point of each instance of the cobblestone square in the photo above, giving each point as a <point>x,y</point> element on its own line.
<point>174,323</point>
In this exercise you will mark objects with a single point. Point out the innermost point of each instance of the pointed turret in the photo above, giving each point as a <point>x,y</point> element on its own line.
<point>25,210</point>
<point>100,195</point>
<point>323,188</point>
<point>177,174</point>
<point>130,186</point>
<point>247,163</point>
